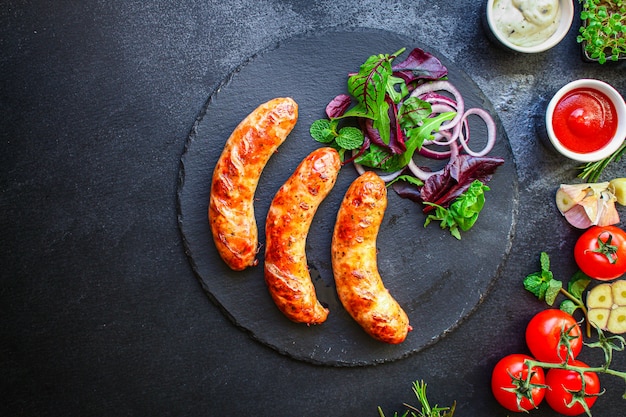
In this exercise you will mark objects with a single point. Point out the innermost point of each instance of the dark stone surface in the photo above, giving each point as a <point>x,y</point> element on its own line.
<point>100,310</point>
<point>414,260</point>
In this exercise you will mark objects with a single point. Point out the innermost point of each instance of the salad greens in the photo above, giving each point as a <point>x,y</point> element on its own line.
<point>463,212</point>
<point>380,124</point>
<point>396,124</point>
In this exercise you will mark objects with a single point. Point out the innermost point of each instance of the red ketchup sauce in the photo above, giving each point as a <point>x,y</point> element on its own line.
<point>584,120</point>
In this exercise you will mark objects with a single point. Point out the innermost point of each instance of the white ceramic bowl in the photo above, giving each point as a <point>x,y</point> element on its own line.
<point>620,108</point>
<point>566,8</point>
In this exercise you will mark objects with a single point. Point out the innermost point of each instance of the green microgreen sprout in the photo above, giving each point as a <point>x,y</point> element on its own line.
<point>603,33</point>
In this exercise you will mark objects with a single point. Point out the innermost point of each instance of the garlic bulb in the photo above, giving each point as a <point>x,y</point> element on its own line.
<point>585,205</point>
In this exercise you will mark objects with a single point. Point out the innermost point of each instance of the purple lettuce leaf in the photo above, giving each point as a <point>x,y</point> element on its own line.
<point>419,64</point>
<point>457,176</point>
<point>338,106</point>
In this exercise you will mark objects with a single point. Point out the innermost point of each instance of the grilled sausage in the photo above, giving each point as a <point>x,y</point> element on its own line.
<point>359,285</point>
<point>286,228</point>
<point>236,176</point>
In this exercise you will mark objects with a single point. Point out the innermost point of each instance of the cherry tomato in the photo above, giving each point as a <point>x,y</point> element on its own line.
<point>562,382</point>
<point>600,252</point>
<point>511,372</point>
<point>546,337</point>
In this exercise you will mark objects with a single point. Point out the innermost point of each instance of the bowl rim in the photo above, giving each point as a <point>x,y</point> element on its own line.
<point>567,18</point>
<point>620,107</point>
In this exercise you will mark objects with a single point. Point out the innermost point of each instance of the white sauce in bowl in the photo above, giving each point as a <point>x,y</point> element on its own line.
<point>526,22</point>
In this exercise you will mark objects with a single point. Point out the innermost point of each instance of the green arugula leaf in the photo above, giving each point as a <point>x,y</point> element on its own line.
<point>408,178</point>
<point>396,95</point>
<point>417,135</point>
<point>412,112</point>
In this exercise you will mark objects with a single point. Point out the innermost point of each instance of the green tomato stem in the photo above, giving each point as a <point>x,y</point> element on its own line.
<point>580,305</point>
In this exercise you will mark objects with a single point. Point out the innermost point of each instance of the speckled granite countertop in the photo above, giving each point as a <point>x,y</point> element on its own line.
<point>100,310</point>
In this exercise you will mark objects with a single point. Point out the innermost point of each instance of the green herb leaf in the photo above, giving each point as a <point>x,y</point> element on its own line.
<point>569,307</point>
<point>392,91</point>
<point>538,283</point>
<point>350,138</point>
<point>368,86</point>
<point>578,284</point>
<point>467,206</point>
<point>376,157</point>
<point>322,131</point>
<point>552,291</point>
<point>408,178</point>
<point>412,112</point>
<point>463,212</point>
<point>417,135</point>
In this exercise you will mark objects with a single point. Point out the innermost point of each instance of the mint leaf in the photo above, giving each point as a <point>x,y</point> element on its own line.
<point>540,283</point>
<point>350,138</point>
<point>569,307</point>
<point>322,131</point>
<point>552,291</point>
<point>535,284</point>
<point>578,284</point>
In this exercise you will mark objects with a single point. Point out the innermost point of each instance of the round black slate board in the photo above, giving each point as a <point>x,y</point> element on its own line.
<point>437,279</point>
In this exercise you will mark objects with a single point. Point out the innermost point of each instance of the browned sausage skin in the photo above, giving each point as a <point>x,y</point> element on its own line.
<point>236,176</point>
<point>286,228</point>
<point>354,258</point>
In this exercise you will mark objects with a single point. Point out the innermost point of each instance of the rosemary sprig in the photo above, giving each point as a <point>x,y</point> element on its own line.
<point>591,171</point>
<point>419,388</point>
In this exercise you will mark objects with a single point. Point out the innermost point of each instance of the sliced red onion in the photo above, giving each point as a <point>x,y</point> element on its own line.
<point>443,86</point>
<point>491,132</point>
<point>386,177</point>
<point>424,175</point>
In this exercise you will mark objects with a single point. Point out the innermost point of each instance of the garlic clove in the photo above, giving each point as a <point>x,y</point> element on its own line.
<point>606,213</point>
<point>618,187</point>
<point>576,192</point>
<point>591,204</point>
<point>564,201</point>
<point>599,317</point>
<point>600,296</point>
<point>617,320</point>
<point>577,217</point>
<point>619,292</point>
